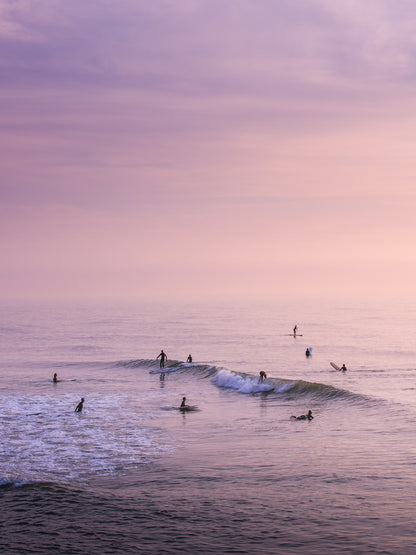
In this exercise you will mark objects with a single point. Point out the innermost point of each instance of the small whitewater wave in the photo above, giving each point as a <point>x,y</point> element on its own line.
<point>245,383</point>
<point>249,383</point>
<point>200,369</point>
<point>242,383</point>
<point>6,483</point>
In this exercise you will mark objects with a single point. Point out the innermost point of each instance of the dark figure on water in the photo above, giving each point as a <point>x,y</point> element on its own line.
<point>183,404</point>
<point>303,416</point>
<point>162,357</point>
<point>189,359</point>
<point>80,405</point>
<point>263,376</point>
<point>55,378</point>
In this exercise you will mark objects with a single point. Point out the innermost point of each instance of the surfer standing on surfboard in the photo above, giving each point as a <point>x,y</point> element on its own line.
<point>162,357</point>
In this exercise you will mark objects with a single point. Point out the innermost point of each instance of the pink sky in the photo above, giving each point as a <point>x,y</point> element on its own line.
<point>208,149</point>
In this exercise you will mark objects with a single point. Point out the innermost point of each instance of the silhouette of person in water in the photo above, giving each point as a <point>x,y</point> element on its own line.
<point>303,416</point>
<point>189,359</point>
<point>343,368</point>
<point>307,352</point>
<point>183,404</point>
<point>262,376</point>
<point>55,378</point>
<point>162,357</point>
<point>80,405</point>
<point>295,329</point>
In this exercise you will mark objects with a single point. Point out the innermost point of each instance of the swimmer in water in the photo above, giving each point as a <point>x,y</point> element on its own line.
<point>80,405</point>
<point>55,378</point>
<point>162,357</point>
<point>307,353</point>
<point>262,376</point>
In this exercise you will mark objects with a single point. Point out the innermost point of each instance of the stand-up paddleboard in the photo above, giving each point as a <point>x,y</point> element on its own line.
<point>335,366</point>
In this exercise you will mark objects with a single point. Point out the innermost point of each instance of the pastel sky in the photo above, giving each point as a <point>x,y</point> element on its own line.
<point>208,149</point>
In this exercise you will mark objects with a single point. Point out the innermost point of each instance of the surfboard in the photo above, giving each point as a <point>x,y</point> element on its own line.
<point>188,408</point>
<point>335,366</point>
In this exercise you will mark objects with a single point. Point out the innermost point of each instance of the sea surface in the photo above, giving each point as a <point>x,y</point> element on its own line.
<point>132,473</point>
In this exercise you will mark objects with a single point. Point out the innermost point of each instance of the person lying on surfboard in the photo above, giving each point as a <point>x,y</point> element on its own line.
<point>303,416</point>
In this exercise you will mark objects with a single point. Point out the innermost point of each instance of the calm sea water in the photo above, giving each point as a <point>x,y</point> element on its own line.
<point>133,474</point>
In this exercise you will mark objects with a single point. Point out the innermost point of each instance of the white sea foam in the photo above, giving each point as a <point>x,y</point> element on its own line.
<point>43,439</point>
<point>243,384</point>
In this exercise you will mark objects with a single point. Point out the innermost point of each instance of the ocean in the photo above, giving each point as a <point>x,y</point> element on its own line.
<point>132,473</point>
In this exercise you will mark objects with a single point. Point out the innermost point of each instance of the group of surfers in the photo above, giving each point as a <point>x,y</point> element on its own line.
<point>163,358</point>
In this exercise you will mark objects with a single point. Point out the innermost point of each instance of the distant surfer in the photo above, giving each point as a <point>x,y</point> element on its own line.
<point>303,416</point>
<point>80,405</point>
<point>55,378</point>
<point>189,359</point>
<point>307,352</point>
<point>262,376</point>
<point>162,357</point>
<point>343,368</point>
<point>295,329</point>
<point>183,404</point>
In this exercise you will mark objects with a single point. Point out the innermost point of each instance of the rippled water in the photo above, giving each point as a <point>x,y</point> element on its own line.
<point>133,474</point>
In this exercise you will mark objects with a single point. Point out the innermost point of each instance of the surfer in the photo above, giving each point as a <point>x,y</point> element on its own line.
<point>303,416</point>
<point>262,376</point>
<point>343,368</point>
<point>55,378</point>
<point>80,405</point>
<point>307,352</point>
<point>295,329</point>
<point>189,359</point>
<point>162,357</point>
<point>183,404</point>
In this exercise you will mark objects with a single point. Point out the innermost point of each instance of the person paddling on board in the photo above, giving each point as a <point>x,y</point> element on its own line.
<point>343,368</point>
<point>162,357</point>
<point>303,416</point>
<point>262,376</point>
<point>80,405</point>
